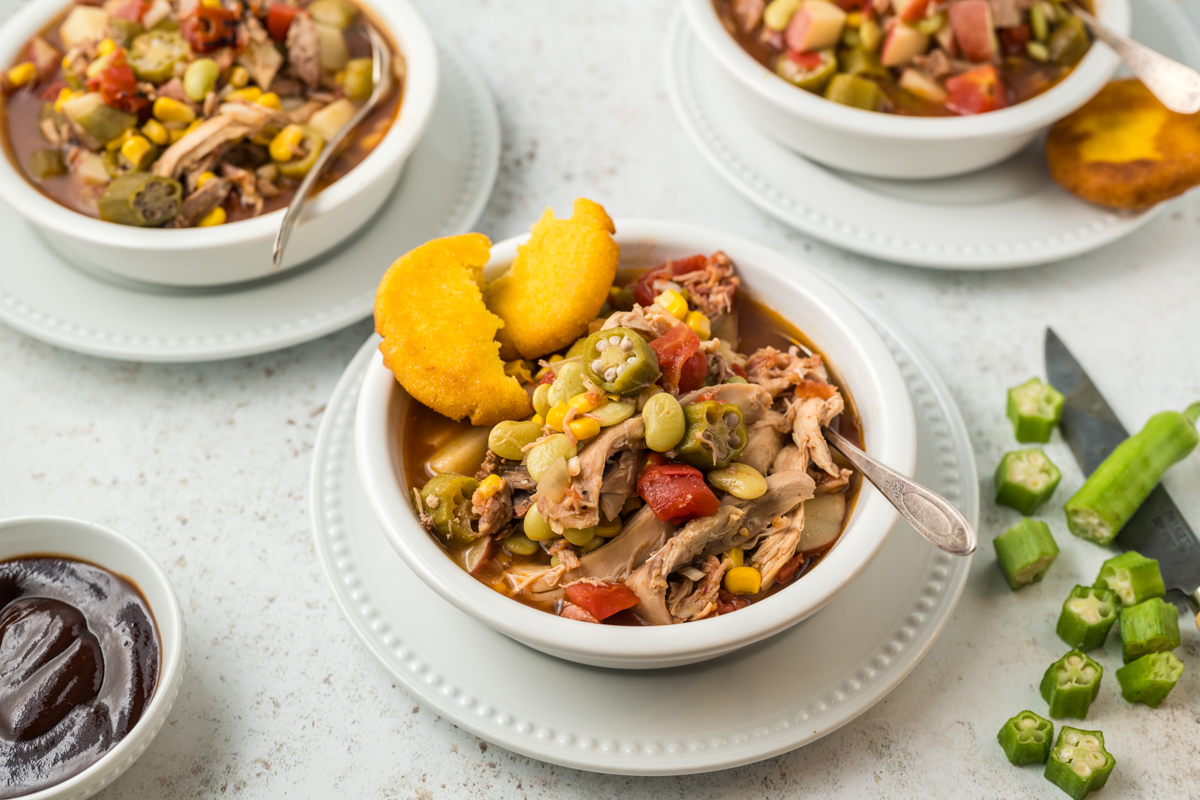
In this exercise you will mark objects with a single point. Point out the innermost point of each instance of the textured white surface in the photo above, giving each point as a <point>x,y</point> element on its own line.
<point>207,465</point>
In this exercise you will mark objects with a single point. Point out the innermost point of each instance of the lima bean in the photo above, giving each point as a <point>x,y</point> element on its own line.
<point>536,527</point>
<point>545,454</point>
<point>741,480</point>
<point>508,438</point>
<point>568,382</point>
<point>665,422</point>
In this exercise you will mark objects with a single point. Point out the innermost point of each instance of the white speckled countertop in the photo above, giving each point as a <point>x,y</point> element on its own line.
<point>208,464</point>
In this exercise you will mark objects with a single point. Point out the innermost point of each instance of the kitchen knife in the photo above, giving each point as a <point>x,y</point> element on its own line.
<point>1158,530</point>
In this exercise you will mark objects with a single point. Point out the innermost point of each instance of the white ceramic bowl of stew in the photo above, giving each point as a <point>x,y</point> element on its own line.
<point>890,145</point>
<point>800,295</point>
<point>238,251</point>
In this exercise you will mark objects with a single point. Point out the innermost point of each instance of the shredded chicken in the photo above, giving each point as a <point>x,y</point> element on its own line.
<point>651,322</point>
<point>690,600</point>
<point>935,65</point>
<point>494,510</point>
<point>1005,13</point>
<point>198,204</point>
<point>807,415</point>
<point>778,547</point>
<point>777,371</point>
<point>580,506</point>
<point>260,58</point>
<point>713,287</point>
<point>765,439</point>
<point>235,120</point>
<point>747,13</point>
<point>620,483</point>
<point>304,49</point>
<point>572,611</point>
<point>247,185</point>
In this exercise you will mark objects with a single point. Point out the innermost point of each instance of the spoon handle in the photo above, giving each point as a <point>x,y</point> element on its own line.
<point>1175,85</point>
<point>931,514</point>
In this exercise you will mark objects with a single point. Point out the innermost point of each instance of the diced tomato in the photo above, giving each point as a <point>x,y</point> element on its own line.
<point>131,9</point>
<point>787,573</point>
<point>736,369</point>
<point>643,288</point>
<point>279,19</point>
<point>810,388</point>
<point>208,29</point>
<point>1013,40</point>
<point>676,492</point>
<point>728,603</point>
<point>52,91</point>
<point>601,601</point>
<point>118,86</point>
<point>548,377</point>
<point>976,91</point>
<point>805,60</point>
<point>851,5</point>
<point>914,11</point>
<point>693,372</point>
<point>674,348</point>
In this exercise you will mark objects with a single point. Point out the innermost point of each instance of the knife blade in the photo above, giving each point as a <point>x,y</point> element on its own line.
<point>1092,431</point>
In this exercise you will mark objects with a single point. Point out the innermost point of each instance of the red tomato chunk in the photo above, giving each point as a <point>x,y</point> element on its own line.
<point>279,19</point>
<point>601,601</point>
<point>676,492</point>
<point>673,349</point>
<point>643,289</point>
<point>975,92</point>
<point>118,86</point>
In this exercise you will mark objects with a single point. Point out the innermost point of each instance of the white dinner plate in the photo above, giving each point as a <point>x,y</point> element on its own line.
<point>442,192</point>
<point>761,701</point>
<point>1010,215</point>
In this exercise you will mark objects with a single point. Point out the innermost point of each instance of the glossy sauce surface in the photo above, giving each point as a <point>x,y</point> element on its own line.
<point>79,663</point>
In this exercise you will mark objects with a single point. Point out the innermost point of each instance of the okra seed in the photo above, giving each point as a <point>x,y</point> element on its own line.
<point>632,361</point>
<point>610,374</point>
<point>733,440</point>
<point>1093,742</point>
<point>1065,753</point>
<point>1028,722</point>
<point>1071,737</point>
<point>1088,673</point>
<point>1074,661</point>
<point>627,344</point>
<point>597,365</point>
<point>614,340</point>
<point>602,344</point>
<point>1082,769</point>
<point>731,420</point>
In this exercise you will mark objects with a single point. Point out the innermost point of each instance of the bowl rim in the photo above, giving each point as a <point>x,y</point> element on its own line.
<point>873,517</point>
<point>412,38</point>
<point>171,635</point>
<point>1088,77</point>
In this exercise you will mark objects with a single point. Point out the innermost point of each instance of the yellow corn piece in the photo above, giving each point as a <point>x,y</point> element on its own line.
<point>697,321</point>
<point>554,417</point>
<point>270,100</point>
<point>743,581</point>
<point>490,485</point>
<point>155,132</point>
<point>22,74</point>
<point>854,19</point>
<point>135,148</point>
<point>674,303</point>
<point>239,77</point>
<point>217,4</point>
<point>339,78</point>
<point>167,109</point>
<point>64,95</point>
<point>204,178</point>
<point>584,428</point>
<point>586,401</point>
<point>283,146</point>
<point>736,555</point>
<point>213,218</point>
<point>539,419</point>
<point>119,142</point>
<point>66,63</point>
<point>251,94</point>
<point>106,47</point>
<point>177,135</point>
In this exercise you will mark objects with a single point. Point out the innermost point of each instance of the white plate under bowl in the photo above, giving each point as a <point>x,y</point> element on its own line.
<point>442,192</point>
<point>1010,215</point>
<point>787,691</point>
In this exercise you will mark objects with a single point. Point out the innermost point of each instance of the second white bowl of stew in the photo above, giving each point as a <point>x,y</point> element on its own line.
<point>907,88</point>
<point>162,140</point>
<point>678,515</point>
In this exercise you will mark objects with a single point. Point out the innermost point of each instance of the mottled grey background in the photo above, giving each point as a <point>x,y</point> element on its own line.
<point>207,465</point>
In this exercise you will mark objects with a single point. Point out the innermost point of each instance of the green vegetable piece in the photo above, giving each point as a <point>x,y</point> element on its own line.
<point>778,14</point>
<point>812,79</point>
<point>612,413</point>
<point>1133,577</point>
<point>1071,684</point>
<point>520,545</point>
<point>851,37</point>
<point>447,501</point>
<point>715,434</point>
<point>1125,479</point>
<point>154,54</point>
<point>200,78</point>
<point>508,439</point>
<point>141,199</point>
<point>298,167</point>
<point>541,399</point>
<point>536,527</point>
<point>1034,408</point>
<point>580,537</point>
<point>1025,551</point>
<point>337,13</point>
<point>1087,615</point>
<point>1069,43</point>
<point>665,422</point>
<point>855,92</point>
<point>46,163</point>
<point>360,81</point>
<point>542,456</point>
<point>1150,678</point>
<point>1151,626</point>
<point>861,61</point>
<point>736,379</point>
<point>1026,738</point>
<point>871,35</point>
<point>1038,22</point>
<point>568,382</point>
<point>1025,479</point>
<point>619,360</point>
<point>112,163</point>
<point>931,25</point>
<point>97,122</point>
<point>124,31</point>
<point>1079,764</point>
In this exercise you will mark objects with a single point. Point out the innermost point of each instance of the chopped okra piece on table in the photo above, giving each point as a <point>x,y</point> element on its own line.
<point>1087,616</point>
<point>1133,577</point>
<point>1079,764</point>
<point>1071,684</point>
<point>1034,408</point>
<point>1025,551</point>
<point>1025,479</point>
<point>1150,678</point>
<point>1151,626</point>
<point>1026,738</point>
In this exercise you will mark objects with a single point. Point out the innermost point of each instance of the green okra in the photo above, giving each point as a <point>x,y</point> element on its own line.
<point>1087,615</point>
<point>1125,479</point>
<point>1025,551</point>
<point>1025,479</point>
<point>1071,684</point>
<point>1026,738</point>
<point>1133,577</point>
<point>1034,408</point>
<point>1151,626</point>
<point>1150,678</point>
<point>1079,764</point>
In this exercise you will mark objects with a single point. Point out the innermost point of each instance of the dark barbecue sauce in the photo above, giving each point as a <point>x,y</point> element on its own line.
<point>79,662</point>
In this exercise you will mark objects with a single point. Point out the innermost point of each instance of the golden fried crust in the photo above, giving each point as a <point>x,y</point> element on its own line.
<point>439,338</point>
<point>558,282</point>
<point>1124,149</point>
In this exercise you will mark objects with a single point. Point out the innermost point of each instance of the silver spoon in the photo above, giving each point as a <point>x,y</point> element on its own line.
<point>381,73</point>
<point>931,514</point>
<point>1175,85</point>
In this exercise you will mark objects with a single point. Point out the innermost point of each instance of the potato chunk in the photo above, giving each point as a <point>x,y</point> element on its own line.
<point>557,283</point>
<point>1124,149</point>
<point>439,338</point>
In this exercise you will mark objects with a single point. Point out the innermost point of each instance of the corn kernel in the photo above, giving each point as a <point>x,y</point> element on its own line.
<point>737,555</point>
<point>339,78</point>
<point>270,100</point>
<point>697,321</point>
<point>286,142</point>
<point>239,77</point>
<point>854,19</point>
<point>22,74</point>
<point>674,303</point>
<point>66,62</point>
<point>204,178</point>
<point>584,428</point>
<point>177,135</point>
<point>117,143</point>
<point>251,94</point>
<point>65,96</point>
<point>215,4</point>
<point>167,109</point>
<point>491,484</point>
<point>135,149</point>
<point>106,47</point>
<point>554,417</point>
<point>155,132</point>
<point>743,580</point>
<point>539,419</point>
<point>213,218</point>
<point>586,401</point>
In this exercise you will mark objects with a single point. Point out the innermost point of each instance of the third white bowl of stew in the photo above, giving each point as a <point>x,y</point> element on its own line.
<point>645,516</point>
<point>907,88</point>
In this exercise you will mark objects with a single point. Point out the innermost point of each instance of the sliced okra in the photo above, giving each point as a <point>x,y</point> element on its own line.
<point>1026,738</point>
<point>1151,626</point>
<point>619,360</point>
<point>1025,551</point>
<point>1087,615</point>
<point>1071,684</point>
<point>1150,678</point>
<point>1025,479</point>
<point>1034,408</point>
<point>1133,577</point>
<point>1079,764</point>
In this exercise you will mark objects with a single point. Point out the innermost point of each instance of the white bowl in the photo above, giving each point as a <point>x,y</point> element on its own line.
<point>802,296</point>
<point>86,541</point>
<point>238,251</point>
<point>891,145</point>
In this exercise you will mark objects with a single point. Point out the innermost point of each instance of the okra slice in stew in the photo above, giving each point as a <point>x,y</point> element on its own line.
<point>1071,684</point>
<point>1150,678</point>
<point>1034,408</point>
<point>715,434</point>
<point>1151,626</point>
<point>1087,616</point>
<point>141,199</point>
<point>1026,738</point>
<point>1025,479</point>
<point>619,360</point>
<point>810,71</point>
<point>447,505</point>
<point>1079,764</point>
<point>856,92</point>
<point>1125,479</point>
<point>1025,551</point>
<point>1133,577</point>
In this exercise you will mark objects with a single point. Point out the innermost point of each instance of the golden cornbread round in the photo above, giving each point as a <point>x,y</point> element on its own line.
<point>557,283</point>
<point>439,339</point>
<point>1125,149</point>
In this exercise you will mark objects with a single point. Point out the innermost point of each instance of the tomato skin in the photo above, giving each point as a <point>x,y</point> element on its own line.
<point>1013,40</point>
<point>728,603</point>
<point>807,59</point>
<point>976,91</point>
<point>209,29</point>
<point>279,20</point>
<point>673,349</point>
<point>787,573</point>
<point>643,288</point>
<point>601,601</point>
<point>914,11</point>
<point>693,372</point>
<point>676,492</point>
<point>118,86</point>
